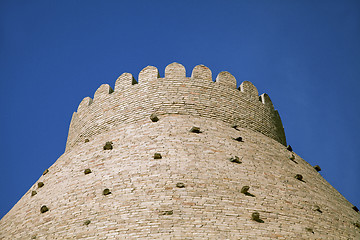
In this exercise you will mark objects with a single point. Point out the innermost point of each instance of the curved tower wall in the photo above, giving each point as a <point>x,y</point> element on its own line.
<point>169,180</point>
<point>197,96</point>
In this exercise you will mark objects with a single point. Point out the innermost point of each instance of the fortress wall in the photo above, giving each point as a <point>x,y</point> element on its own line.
<point>210,206</point>
<point>175,93</point>
<point>145,201</point>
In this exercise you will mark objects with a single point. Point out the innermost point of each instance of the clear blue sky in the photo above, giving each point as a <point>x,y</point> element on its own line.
<point>304,54</point>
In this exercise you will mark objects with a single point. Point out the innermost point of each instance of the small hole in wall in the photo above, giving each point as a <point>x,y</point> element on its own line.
<point>45,172</point>
<point>310,230</point>
<point>87,140</point>
<point>87,171</point>
<point>168,212</point>
<point>292,158</point>
<point>108,146</point>
<point>235,159</point>
<point>40,184</point>
<point>245,189</point>
<point>239,139</point>
<point>317,168</point>
<point>154,118</point>
<point>180,185</point>
<point>157,156</point>
<point>289,148</point>
<point>357,224</point>
<point>106,191</point>
<point>195,130</point>
<point>317,208</point>
<point>235,127</point>
<point>256,217</point>
<point>299,177</point>
<point>87,222</point>
<point>356,209</point>
<point>33,193</point>
<point>44,209</point>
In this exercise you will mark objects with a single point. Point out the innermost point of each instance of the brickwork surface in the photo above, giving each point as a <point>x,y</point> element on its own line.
<point>193,191</point>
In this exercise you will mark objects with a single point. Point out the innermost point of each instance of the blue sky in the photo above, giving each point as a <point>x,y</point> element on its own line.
<point>304,54</point>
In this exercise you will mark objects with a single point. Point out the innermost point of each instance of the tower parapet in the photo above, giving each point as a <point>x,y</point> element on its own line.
<point>197,95</point>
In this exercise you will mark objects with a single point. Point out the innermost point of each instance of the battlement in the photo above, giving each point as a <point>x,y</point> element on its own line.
<point>198,95</point>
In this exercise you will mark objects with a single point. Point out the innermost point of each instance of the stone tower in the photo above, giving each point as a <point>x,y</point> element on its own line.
<point>180,158</point>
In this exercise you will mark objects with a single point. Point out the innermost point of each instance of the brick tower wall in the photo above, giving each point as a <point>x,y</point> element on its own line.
<point>169,180</point>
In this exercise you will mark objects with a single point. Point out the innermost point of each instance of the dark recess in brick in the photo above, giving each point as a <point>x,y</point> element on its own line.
<point>154,118</point>
<point>157,156</point>
<point>256,217</point>
<point>106,191</point>
<point>44,209</point>
<point>235,159</point>
<point>46,171</point>
<point>195,130</point>
<point>317,168</point>
<point>180,185</point>
<point>169,212</point>
<point>108,146</point>
<point>239,139</point>
<point>299,177</point>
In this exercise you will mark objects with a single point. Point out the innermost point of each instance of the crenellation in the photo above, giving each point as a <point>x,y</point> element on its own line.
<point>125,81</point>
<point>265,99</point>
<point>175,71</point>
<point>84,104</point>
<point>102,93</point>
<point>201,73</point>
<point>227,79</point>
<point>149,73</point>
<point>175,94</point>
<point>249,90</point>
